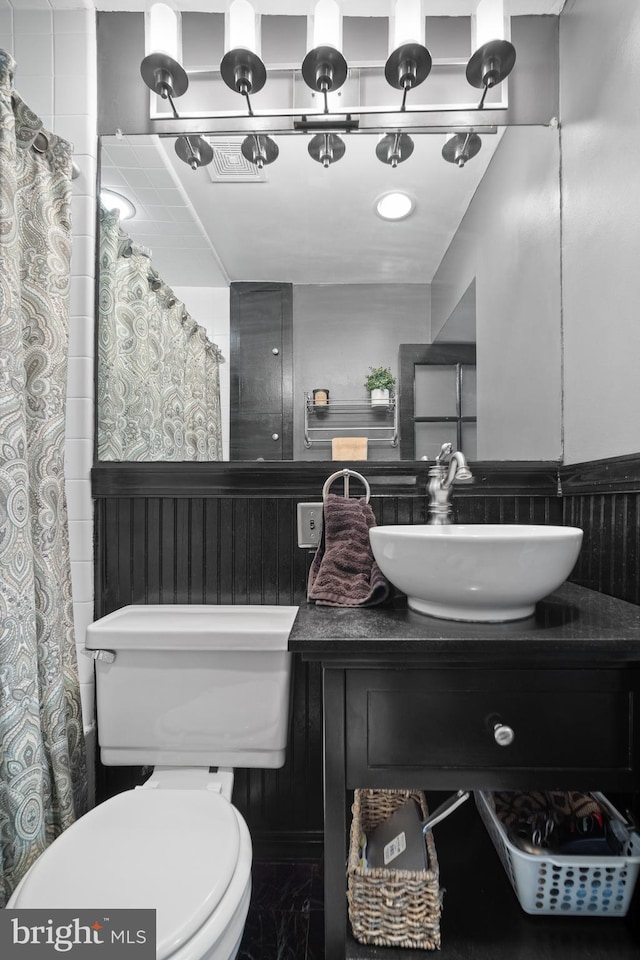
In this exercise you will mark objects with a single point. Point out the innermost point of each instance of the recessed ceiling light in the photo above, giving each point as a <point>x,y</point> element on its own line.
<point>394,205</point>
<point>116,202</point>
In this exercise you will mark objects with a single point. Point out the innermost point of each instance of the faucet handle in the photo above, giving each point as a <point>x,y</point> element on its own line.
<point>445,451</point>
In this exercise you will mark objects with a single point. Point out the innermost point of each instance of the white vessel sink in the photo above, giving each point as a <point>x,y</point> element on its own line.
<point>487,572</point>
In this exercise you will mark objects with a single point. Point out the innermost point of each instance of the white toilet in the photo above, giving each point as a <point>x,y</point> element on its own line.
<point>184,688</point>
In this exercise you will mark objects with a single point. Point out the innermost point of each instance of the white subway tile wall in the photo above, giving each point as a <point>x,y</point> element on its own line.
<point>79,503</point>
<point>56,75</point>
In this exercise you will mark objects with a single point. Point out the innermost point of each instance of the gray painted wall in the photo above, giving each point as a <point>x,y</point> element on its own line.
<point>509,241</point>
<point>341,330</point>
<point>601,236</point>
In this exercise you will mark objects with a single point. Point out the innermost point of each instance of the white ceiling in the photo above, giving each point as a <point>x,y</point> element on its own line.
<point>301,224</point>
<point>350,8</point>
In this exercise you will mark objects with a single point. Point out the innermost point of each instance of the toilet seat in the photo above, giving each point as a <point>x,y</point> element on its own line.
<point>172,850</point>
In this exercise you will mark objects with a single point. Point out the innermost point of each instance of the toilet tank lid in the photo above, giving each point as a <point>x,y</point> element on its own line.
<point>192,626</point>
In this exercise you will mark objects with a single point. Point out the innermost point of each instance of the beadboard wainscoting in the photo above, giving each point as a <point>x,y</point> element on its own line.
<point>603,498</point>
<point>197,533</point>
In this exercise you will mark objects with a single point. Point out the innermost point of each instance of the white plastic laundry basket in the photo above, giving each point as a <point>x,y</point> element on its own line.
<point>565,885</point>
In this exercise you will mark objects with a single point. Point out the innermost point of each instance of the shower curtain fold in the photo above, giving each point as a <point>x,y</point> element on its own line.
<point>158,373</point>
<point>43,778</point>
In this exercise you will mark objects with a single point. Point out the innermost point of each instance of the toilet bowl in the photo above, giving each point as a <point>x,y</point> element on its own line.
<point>184,852</point>
<point>194,686</point>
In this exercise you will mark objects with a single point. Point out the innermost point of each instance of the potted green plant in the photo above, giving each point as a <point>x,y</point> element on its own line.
<point>379,382</point>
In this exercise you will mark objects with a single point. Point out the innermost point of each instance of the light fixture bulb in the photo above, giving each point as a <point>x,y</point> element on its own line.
<point>324,68</point>
<point>488,23</point>
<point>394,206</point>
<point>242,26</point>
<point>162,34</point>
<point>327,25</point>
<point>241,67</point>
<point>117,204</point>
<point>406,23</point>
<point>494,55</point>
<point>161,69</point>
<point>409,61</point>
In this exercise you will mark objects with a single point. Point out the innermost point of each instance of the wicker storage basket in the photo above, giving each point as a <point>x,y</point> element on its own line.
<point>391,908</point>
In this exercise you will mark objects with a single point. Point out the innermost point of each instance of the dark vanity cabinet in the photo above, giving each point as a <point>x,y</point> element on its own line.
<point>414,702</point>
<point>442,723</point>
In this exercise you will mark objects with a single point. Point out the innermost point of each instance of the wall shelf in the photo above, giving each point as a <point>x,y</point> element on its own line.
<point>378,422</point>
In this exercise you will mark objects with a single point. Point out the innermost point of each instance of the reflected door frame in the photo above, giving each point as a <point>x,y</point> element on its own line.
<point>412,355</point>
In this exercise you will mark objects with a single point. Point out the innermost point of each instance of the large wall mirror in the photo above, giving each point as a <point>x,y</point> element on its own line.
<point>476,261</point>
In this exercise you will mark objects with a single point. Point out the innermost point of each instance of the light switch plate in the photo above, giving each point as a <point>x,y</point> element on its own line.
<point>309,524</point>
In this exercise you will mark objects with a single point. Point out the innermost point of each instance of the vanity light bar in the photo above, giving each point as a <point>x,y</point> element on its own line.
<point>324,69</point>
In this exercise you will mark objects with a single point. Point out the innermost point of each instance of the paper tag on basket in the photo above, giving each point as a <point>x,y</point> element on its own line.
<point>394,848</point>
<point>398,840</point>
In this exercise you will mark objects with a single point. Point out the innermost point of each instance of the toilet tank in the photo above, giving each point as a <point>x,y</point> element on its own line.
<point>193,684</point>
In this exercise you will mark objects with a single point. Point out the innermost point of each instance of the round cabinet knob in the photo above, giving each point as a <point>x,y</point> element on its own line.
<point>503,735</point>
<point>275,436</point>
<point>275,351</point>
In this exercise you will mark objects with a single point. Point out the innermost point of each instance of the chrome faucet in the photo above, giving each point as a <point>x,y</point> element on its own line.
<point>449,468</point>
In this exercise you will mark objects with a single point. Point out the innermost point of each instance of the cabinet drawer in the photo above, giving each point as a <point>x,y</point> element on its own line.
<point>567,722</point>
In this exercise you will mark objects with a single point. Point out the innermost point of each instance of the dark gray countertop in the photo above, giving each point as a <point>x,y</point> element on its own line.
<point>574,623</point>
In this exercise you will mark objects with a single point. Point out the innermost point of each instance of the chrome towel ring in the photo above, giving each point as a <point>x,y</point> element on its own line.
<point>346,474</point>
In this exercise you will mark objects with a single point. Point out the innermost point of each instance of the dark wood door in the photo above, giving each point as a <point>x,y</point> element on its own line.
<point>261,371</point>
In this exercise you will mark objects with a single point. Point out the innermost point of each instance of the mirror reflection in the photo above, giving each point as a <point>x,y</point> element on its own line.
<point>234,292</point>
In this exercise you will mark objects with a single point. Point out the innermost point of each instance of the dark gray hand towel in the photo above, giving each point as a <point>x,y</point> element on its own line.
<point>343,572</point>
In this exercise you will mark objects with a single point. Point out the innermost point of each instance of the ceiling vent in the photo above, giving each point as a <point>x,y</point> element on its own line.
<point>229,165</point>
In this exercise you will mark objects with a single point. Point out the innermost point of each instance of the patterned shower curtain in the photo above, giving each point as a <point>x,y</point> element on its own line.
<point>43,780</point>
<point>158,374</point>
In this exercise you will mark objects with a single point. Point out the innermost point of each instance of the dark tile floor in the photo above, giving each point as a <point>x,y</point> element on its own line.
<point>286,916</point>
